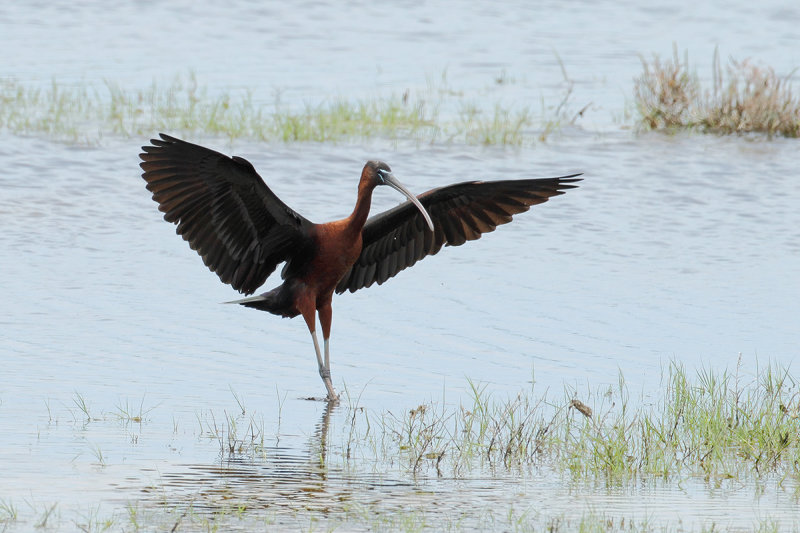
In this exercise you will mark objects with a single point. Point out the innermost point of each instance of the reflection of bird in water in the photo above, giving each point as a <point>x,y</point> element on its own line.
<point>282,478</point>
<point>321,434</point>
<point>243,230</point>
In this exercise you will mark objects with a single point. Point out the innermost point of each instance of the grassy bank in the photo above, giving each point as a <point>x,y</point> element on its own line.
<point>85,113</point>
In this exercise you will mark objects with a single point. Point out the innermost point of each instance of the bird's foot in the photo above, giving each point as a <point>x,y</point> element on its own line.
<point>325,374</point>
<point>332,396</point>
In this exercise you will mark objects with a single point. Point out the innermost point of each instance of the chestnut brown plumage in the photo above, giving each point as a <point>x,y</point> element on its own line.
<point>243,231</point>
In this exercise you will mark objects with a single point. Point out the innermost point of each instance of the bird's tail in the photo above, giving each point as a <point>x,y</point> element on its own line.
<point>278,301</point>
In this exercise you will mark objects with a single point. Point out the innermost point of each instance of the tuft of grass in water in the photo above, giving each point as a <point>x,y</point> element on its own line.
<point>83,407</point>
<point>744,98</point>
<point>666,94</point>
<point>93,522</point>
<point>85,113</point>
<point>8,511</point>
<point>46,516</point>
<point>98,454</point>
<point>127,412</point>
<point>237,435</point>
<point>752,98</point>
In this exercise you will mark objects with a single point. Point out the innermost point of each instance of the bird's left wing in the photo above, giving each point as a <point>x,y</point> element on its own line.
<point>240,228</point>
<point>398,238</point>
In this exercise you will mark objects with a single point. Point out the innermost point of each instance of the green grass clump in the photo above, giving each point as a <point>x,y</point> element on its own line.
<point>744,98</point>
<point>713,426</point>
<point>85,113</point>
<point>716,426</point>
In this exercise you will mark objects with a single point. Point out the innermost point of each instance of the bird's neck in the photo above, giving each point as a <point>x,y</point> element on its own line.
<point>358,217</point>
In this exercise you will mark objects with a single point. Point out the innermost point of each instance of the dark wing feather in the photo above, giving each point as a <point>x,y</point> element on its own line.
<point>224,210</point>
<point>398,238</point>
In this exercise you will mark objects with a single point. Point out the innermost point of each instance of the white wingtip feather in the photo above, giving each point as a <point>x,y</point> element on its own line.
<point>258,298</point>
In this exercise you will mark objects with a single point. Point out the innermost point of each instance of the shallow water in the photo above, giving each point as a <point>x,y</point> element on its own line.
<point>680,248</point>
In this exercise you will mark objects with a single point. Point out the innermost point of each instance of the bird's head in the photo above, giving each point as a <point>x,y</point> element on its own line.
<point>378,173</point>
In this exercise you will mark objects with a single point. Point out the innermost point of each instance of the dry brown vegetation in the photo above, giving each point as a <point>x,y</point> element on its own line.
<point>745,97</point>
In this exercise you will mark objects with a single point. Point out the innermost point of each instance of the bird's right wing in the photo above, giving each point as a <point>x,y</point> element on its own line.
<point>223,208</point>
<point>398,238</point>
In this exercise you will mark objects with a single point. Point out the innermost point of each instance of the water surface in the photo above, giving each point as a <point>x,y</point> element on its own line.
<point>679,248</point>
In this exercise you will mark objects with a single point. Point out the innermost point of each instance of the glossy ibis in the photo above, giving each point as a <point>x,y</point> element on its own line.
<point>242,230</point>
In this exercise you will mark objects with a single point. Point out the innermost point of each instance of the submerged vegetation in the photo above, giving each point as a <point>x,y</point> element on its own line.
<point>714,430</point>
<point>85,113</point>
<point>719,426</point>
<point>745,97</point>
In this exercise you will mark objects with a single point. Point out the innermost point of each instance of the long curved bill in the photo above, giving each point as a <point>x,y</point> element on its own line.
<point>392,182</point>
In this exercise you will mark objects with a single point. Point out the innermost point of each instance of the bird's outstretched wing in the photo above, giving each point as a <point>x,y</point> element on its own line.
<point>223,208</point>
<point>398,238</point>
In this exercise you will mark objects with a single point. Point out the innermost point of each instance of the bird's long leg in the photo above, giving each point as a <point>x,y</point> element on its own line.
<point>327,344</point>
<point>324,372</point>
<point>325,318</point>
